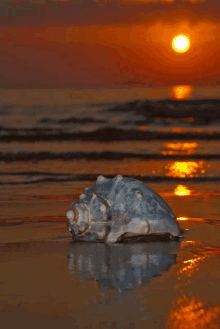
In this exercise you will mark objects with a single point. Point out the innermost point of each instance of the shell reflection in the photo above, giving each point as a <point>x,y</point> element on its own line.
<point>123,266</point>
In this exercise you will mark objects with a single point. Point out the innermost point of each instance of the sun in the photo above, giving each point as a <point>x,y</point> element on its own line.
<point>181,43</point>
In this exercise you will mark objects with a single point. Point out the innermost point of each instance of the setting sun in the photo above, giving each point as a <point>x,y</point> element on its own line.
<point>181,43</point>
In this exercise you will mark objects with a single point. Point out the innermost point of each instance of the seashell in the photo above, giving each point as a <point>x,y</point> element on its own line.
<point>118,209</point>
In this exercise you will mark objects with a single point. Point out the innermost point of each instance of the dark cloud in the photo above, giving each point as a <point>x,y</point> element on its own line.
<point>101,12</point>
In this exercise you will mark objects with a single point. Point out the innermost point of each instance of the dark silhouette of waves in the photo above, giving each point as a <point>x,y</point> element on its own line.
<point>34,177</point>
<point>102,134</point>
<point>136,120</point>
<point>100,155</point>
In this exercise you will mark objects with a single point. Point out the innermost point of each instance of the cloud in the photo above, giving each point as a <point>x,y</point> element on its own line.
<point>100,12</point>
<point>132,2</point>
<point>23,3</point>
<point>194,1</point>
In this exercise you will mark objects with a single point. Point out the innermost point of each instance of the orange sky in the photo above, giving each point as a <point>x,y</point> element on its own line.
<point>87,43</point>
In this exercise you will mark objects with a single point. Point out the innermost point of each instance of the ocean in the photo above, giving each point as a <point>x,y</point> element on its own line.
<point>167,137</point>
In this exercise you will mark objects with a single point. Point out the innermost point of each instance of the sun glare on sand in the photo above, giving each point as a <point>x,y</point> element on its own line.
<point>181,43</point>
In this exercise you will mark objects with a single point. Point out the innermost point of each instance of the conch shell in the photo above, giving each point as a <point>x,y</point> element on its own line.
<point>118,209</point>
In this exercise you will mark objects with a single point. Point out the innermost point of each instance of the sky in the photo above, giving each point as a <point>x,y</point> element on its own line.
<point>106,43</point>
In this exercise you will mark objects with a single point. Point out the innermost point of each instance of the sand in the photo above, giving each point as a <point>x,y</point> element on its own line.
<point>47,281</point>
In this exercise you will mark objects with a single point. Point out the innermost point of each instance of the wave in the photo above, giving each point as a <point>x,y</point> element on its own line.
<point>136,120</point>
<point>108,155</point>
<point>71,120</point>
<point>102,134</point>
<point>47,177</point>
<point>203,111</point>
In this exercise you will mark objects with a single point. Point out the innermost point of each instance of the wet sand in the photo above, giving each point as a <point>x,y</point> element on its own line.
<point>49,281</point>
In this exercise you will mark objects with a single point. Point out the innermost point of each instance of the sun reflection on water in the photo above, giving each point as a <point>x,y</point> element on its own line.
<point>191,265</point>
<point>182,218</point>
<point>192,314</point>
<point>181,92</point>
<point>189,312</point>
<point>184,168</point>
<point>182,190</point>
<point>180,148</point>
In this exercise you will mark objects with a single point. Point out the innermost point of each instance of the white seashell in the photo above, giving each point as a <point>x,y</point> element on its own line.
<point>117,208</point>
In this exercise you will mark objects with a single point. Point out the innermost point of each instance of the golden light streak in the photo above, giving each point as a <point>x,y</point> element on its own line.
<point>182,218</point>
<point>194,314</point>
<point>181,43</point>
<point>180,148</point>
<point>191,265</point>
<point>190,311</point>
<point>182,190</point>
<point>183,169</point>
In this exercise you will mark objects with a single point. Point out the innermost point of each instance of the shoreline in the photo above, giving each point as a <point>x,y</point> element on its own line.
<point>41,229</point>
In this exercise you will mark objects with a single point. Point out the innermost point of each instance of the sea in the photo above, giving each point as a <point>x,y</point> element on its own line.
<point>55,142</point>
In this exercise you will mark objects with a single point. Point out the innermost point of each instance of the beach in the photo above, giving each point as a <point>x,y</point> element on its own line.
<point>46,280</point>
<point>51,148</point>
